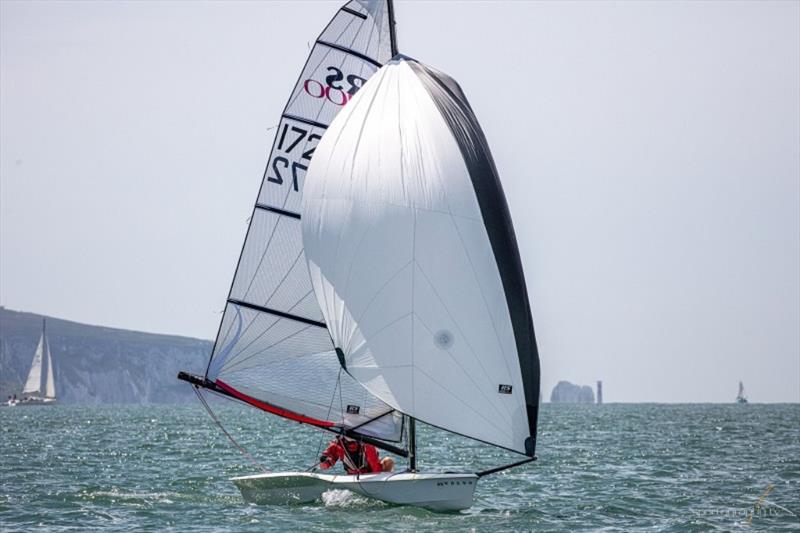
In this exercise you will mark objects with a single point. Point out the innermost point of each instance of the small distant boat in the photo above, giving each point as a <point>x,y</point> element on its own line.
<point>40,387</point>
<point>741,397</point>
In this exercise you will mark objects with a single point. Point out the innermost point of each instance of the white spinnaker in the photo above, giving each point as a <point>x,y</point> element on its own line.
<point>272,346</point>
<point>34,382</point>
<point>403,268</point>
<point>50,384</point>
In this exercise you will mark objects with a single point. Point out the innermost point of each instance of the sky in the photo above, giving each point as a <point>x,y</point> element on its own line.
<point>649,151</point>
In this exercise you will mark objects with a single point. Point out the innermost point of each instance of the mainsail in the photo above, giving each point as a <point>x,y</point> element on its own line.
<point>50,383</point>
<point>273,350</point>
<point>414,260</point>
<point>33,385</point>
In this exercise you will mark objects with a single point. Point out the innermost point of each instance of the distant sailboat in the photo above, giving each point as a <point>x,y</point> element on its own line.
<point>742,396</point>
<point>40,388</point>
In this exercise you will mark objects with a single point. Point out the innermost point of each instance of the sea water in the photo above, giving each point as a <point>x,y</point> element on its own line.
<point>624,466</point>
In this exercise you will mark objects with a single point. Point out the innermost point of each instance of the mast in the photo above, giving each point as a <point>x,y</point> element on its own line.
<point>43,387</point>
<point>392,29</point>
<point>412,444</point>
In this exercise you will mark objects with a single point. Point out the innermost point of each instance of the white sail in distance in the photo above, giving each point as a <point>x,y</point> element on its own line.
<point>50,383</point>
<point>273,350</point>
<point>33,385</point>
<point>414,261</point>
<point>40,382</point>
<point>741,397</point>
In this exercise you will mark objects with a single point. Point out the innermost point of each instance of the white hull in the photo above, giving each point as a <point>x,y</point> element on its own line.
<point>438,492</point>
<point>35,401</point>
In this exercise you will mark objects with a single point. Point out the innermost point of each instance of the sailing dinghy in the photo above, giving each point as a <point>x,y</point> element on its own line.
<point>380,284</point>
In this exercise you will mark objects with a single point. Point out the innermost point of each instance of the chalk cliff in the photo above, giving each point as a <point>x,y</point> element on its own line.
<point>95,364</point>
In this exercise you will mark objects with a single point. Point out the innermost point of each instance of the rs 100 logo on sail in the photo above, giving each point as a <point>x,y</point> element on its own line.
<point>338,88</point>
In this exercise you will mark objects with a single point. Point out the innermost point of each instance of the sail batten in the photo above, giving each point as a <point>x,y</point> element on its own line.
<point>305,121</point>
<point>290,214</point>
<point>414,262</point>
<point>351,52</point>
<point>277,313</point>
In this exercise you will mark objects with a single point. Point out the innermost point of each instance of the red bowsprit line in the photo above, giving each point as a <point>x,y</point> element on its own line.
<point>271,408</point>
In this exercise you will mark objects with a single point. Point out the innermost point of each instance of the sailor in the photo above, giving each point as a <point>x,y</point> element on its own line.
<point>357,457</point>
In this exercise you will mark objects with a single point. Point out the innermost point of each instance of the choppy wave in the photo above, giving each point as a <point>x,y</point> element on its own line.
<point>615,467</point>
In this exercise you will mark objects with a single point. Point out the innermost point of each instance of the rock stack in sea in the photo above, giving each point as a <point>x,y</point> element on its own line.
<point>566,392</point>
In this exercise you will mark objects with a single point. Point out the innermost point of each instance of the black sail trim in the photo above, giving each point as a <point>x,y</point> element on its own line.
<point>373,419</point>
<point>351,52</point>
<point>463,124</point>
<point>305,121</point>
<point>354,12</point>
<point>275,312</point>
<point>278,211</point>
